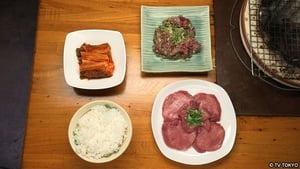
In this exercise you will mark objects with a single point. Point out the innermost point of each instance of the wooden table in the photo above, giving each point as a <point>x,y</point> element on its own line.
<point>259,140</point>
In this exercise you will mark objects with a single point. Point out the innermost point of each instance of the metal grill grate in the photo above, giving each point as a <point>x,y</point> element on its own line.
<point>274,48</point>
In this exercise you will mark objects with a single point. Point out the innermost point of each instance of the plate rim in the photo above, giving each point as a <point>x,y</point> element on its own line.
<point>169,152</point>
<point>121,74</point>
<point>146,70</point>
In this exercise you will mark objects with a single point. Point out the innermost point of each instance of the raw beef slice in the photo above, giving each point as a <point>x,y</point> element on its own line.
<point>175,103</point>
<point>175,137</point>
<point>209,137</point>
<point>209,106</point>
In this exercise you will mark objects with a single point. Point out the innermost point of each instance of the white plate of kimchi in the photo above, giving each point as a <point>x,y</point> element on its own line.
<point>72,70</point>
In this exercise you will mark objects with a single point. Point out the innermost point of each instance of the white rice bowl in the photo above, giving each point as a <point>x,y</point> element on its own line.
<point>100,131</point>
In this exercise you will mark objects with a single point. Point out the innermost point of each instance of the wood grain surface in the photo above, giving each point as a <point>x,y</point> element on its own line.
<point>259,140</point>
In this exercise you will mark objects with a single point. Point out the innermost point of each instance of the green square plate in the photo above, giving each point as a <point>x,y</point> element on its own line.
<point>152,17</point>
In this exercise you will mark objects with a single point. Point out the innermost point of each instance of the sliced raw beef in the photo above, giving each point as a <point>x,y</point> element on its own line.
<point>175,103</point>
<point>188,128</point>
<point>175,137</point>
<point>178,134</point>
<point>209,106</point>
<point>209,137</point>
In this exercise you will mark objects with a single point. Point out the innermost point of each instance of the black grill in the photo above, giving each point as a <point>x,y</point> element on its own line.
<point>279,23</point>
<point>274,30</point>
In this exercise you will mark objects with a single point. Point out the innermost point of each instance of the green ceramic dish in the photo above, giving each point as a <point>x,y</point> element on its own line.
<point>152,17</point>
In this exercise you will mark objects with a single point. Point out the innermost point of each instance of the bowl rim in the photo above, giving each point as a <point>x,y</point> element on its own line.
<point>81,111</point>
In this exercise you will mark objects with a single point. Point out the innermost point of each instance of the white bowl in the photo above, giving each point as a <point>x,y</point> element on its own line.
<point>84,109</point>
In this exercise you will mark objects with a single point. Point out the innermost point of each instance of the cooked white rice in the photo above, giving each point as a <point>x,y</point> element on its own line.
<point>100,132</point>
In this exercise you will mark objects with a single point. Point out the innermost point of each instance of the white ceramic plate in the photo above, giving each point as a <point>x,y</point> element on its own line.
<point>71,67</point>
<point>228,121</point>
